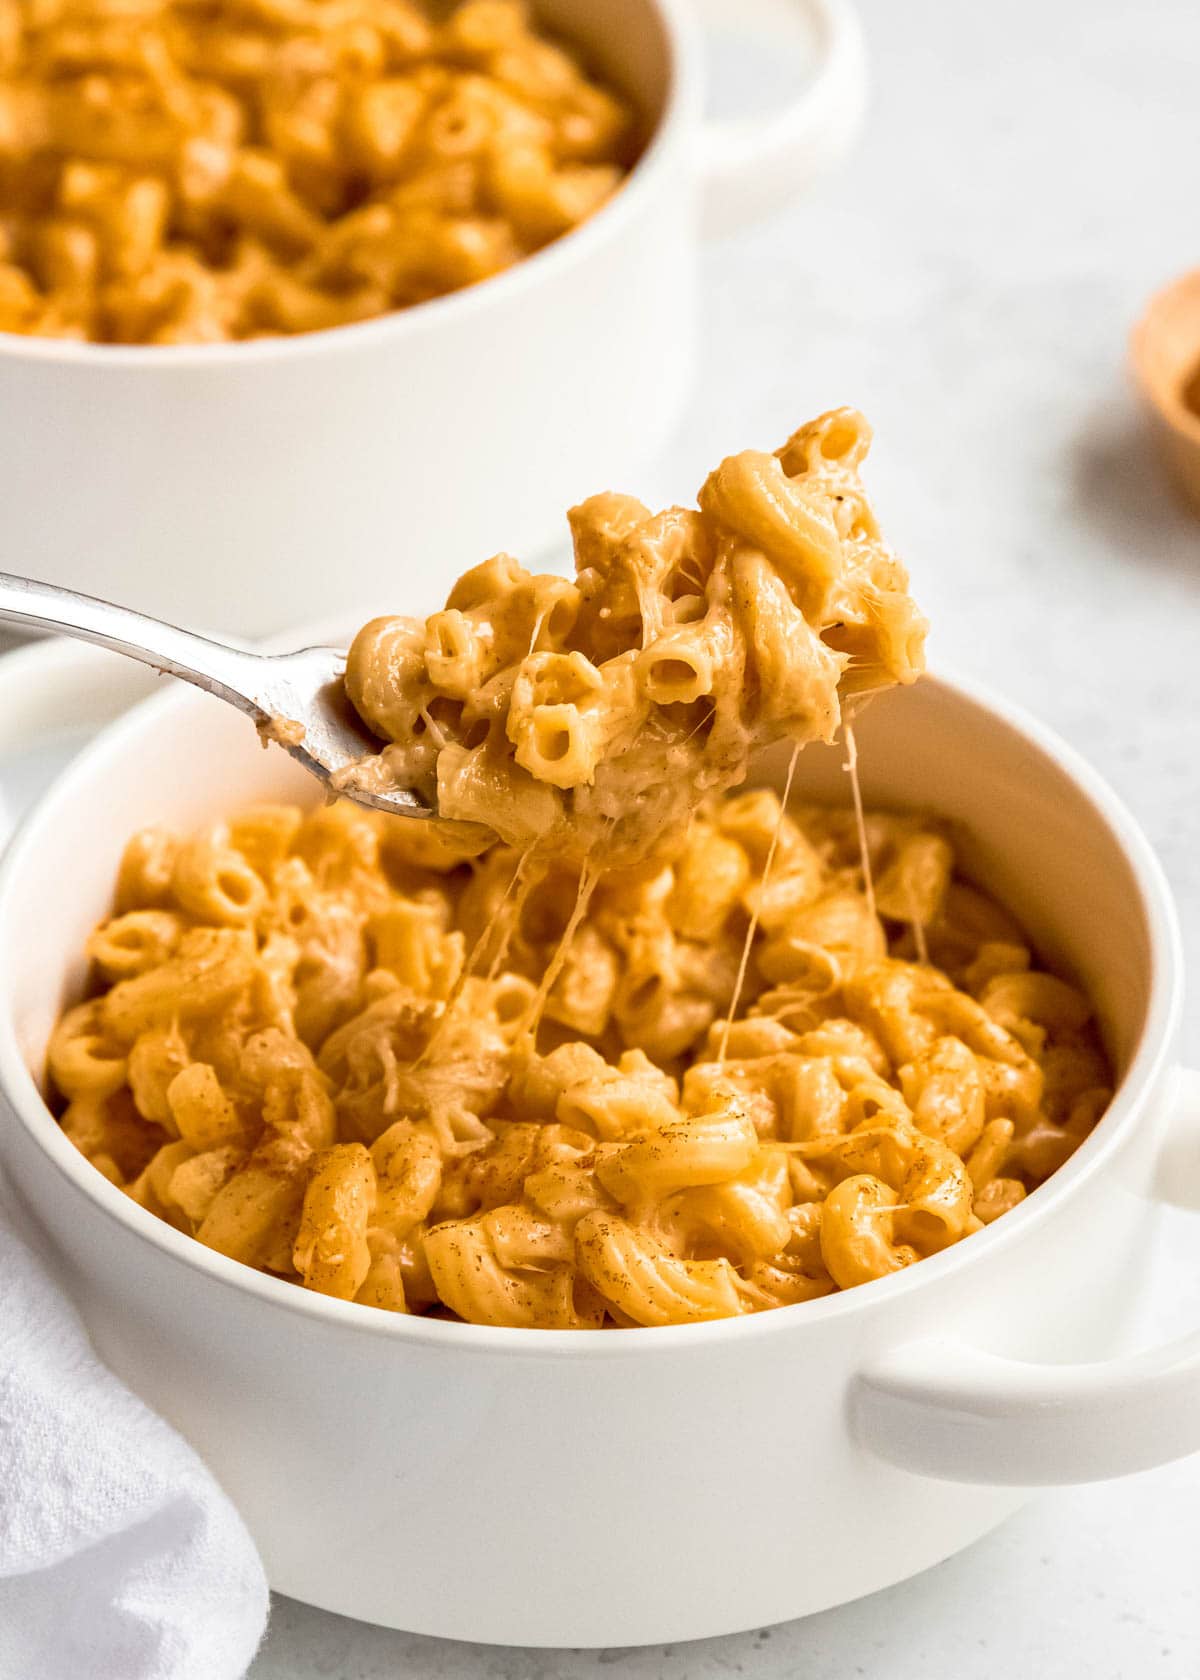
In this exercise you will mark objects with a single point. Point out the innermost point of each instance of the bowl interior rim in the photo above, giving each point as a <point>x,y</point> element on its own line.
<point>680,99</point>
<point>1150,1061</point>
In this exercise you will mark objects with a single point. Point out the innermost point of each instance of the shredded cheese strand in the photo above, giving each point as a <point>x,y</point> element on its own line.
<point>744,964</point>
<point>918,928</point>
<point>468,967</point>
<point>851,769</point>
<point>589,877</point>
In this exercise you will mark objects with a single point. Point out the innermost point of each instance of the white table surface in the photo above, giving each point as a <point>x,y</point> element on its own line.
<point>1029,174</point>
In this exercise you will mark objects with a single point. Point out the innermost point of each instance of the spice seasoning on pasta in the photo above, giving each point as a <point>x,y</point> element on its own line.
<point>177,172</point>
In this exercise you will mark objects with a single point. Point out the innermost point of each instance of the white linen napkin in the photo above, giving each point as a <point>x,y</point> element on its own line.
<point>120,1557</point>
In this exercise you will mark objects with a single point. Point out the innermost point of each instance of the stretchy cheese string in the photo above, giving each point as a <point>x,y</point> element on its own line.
<point>537,630</point>
<point>589,877</point>
<point>437,733</point>
<point>480,945</point>
<point>753,928</point>
<point>851,769</point>
<point>918,928</point>
<point>524,885</point>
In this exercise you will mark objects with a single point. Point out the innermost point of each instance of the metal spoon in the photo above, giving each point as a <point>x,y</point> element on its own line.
<point>303,688</point>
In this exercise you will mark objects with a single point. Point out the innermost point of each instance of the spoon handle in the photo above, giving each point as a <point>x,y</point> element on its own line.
<point>214,666</point>
<point>303,689</point>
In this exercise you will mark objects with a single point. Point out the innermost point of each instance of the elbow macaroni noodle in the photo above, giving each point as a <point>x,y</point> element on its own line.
<point>175,172</point>
<point>524,1075</point>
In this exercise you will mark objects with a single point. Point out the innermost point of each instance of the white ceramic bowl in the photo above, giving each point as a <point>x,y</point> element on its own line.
<point>614,1488</point>
<point>224,485</point>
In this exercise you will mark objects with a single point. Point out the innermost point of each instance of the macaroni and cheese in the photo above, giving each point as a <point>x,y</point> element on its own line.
<point>623,1047</point>
<point>310,1048</point>
<point>177,172</point>
<point>593,714</point>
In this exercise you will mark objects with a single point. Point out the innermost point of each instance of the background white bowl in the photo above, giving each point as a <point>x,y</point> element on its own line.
<point>225,486</point>
<point>624,1487</point>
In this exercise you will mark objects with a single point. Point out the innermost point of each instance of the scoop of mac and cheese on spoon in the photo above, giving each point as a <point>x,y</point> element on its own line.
<point>592,715</point>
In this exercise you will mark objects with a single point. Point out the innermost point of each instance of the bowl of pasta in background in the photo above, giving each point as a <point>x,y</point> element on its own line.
<point>411,442</point>
<point>618,1487</point>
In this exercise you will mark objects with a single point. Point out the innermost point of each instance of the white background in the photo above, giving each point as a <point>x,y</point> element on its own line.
<point>1030,173</point>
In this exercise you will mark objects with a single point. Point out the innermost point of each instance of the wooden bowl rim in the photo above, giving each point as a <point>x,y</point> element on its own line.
<point>1167,397</point>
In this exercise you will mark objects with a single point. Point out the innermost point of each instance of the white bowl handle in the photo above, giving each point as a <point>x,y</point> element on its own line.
<point>753,165</point>
<point>942,1408</point>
